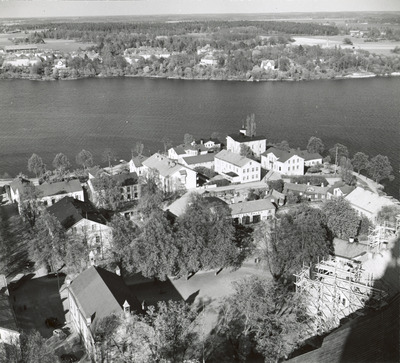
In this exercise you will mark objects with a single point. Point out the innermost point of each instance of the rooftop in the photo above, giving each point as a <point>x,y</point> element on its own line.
<point>282,155</point>
<point>100,293</point>
<point>47,189</point>
<point>309,156</point>
<point>138,160</point>
<point>251,206</point>
<point>305,188</point>
<point>164,165</point>
<point>7,317</point>
<point>70,211</point>
<point>348,250</point>
<point>243,138</point>
<point>234,159</point>
<point>190,160</point>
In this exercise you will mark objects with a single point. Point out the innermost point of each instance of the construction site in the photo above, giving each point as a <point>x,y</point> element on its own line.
<point>339,288</point>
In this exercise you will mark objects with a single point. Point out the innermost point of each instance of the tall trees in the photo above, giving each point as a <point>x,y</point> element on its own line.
<point>206,236</point>
<point>346,171</point>
<point>315,145</point>
<point>35,165</point>
<point>251,125</point>
<point>85,159</point>
<point>34,349</point>
<point>246,151</point>
<point>337,152</point>
<point>108,194</point>
<point>360,161</point>
<point>283,145</point>
<point>379,168</point>
<point>61,163</point>
<point>341,218</point>
<point>108,156</point>
<point>188,139</point>
<point>265,316</point>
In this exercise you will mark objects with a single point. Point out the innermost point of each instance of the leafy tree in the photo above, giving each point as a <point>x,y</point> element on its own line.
<point>125,233</point>
<point>338,151</point>
<point>264,316</point>
<point>256,194</point>
<point>85,159</point>
<point>139,148</point>
<point>360,161</point>
<point>35,165</point>
<point>346,171</point>
<point>29,207</point>
<point>108,194</point>
<point>276,184</point>
<point>341,218</point>
<point>379,168</point>
<point>388,214</point>
<point>347,41</point>
<point>315,145</point>
<point>251,125</point>
<point>246,151</point>
<point>206,236</point>
<point>61,163</point>
<point>167,142</point>
<point>209,173</point>
<point>155,252</point>
<point>300,236</point>
<point>163,334</point>
<point>283,145</point>
<point>35,350</point>
<point>76,253</point>
<point>152,195</point>
<point>188,139</point>
<point>108,156</point>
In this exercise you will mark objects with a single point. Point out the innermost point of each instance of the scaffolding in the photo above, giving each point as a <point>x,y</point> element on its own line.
<point>379,236</point>
<point>334,289</point>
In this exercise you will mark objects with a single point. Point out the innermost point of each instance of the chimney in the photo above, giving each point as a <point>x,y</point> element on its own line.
<point>308,183</point>
<point>127,308</point>
<point>322,185</point>
<point>88,321</point>
<point>118,271</point>
<point>243,131</point>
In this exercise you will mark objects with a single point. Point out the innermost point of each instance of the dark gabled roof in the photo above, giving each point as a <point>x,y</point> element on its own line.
<point>100,293</point>
<point>46,189</point>
<point>19,184</point>
<point>283,155</point>
<point>370,338</point>
<point>243,138</point>
<point>190,160</point>
<point>309,156</point>
<point>138,160</point>
<point>70,211</point>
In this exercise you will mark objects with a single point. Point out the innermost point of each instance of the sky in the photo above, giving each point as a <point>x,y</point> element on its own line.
<point>60,8</point>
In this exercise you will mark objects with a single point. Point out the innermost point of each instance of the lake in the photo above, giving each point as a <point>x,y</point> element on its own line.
<point>95,114</point>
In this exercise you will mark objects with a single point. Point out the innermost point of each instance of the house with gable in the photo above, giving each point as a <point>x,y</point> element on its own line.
<point>206,160</point>
<point>307,191</point>
<point>237,168</point>
<point>93,295</point>
<point>267,65</point>
<point>16,189</point>
<point>194,149</point>
<point>136,165</point>
<point>211,143</point>
<point>282,161</point>
<point>173,176</point>
<point>253,211</point>
<point>84,220</point>
<point>310,159</point>
<point>50,194</point>
<point>339,189</point>
<point>257,144</point>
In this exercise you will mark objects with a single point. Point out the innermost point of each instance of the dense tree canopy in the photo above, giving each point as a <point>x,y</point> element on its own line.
<point>61,163</point>
<point>35,165</point>
<point>360,161</point>
<point>379,168</point>
<point>337,152</point>
<point>85,159</point>
<point>315,145</point>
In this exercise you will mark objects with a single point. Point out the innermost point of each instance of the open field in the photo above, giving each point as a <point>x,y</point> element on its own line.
<point>382,47</point>
<point>63,45</point>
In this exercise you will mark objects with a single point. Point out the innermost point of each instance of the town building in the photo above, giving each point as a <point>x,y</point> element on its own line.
<point>173,176</point>
<point>83,220</point>
<point>237,168</point>
<point>193,149</point>
<point>253,211</point>
<point>208,60</point>
<point>205,160</point>
<point>49,194</point>
<point>211,143</point>
<point>92,296</point>
<point>127,184</point>
<point>282,161</point>
<point>310,159</point>
<point>136,165</point>
<point>306,191</point>
<point>257,144</point>
<point>17,188</point>
<point>22,48</point>
<point>368,203</point>
<point>339,189</point>
<point>267,65</point>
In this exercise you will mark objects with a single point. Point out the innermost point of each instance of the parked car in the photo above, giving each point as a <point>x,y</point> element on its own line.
<point>68,358</point>
<point>59,334</point>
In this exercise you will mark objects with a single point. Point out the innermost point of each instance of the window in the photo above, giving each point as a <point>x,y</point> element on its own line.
<point>97,239</point>
<point>288,168</point>
<point>121,190</point>
<point>93,227</point>
<point>128,189</point>
<point>45,203</point>
<point>129,196</point>
<point>135,195</point>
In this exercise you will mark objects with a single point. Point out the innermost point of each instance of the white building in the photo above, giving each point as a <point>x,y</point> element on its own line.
<point>136,165</point>
<point>83,220</point>
<point>237,168</point>
<point>206,160</point>
<point>267,64</point>
<point>283,162</point>
<point>173,176</point>
<point>49,194</point>
<point>310,159</point>
<point>253,211</point>
<point>194,149</point>
<point>257,144</point>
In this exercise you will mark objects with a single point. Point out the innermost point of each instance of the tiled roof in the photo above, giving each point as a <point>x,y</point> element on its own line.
<point>309,156</point>
<point>243,138</point>
<point>179,150</point>
<point>282,155</point>
<point>138,160</point>
<point>47,189</point>
<point>164,165</point>
<point>370,338</point>
<point>233,158</point>
<point>70,211</point>
<point>251,206</point>
<point>100,293</point>
<point>190,160</point>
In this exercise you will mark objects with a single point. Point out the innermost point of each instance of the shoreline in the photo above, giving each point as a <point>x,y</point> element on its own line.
<point>338,77</point>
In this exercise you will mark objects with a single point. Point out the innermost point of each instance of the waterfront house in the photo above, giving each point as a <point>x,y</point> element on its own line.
<point>282,161</point>
<point>83,220</point>
<point>49,194</point>
<point>306,191</point>
<point>339,189</point>
<point>310,159</point>
<point>368,203</point>
<point>126,183</point>
<point>267,65</point>
<point>257,144</point>
<point>208,60</point>
<point>21,48</point>
<point>16,189</point>
<point>136,164</point>
<point>173,176</point>
<point>93,295</point>
<point>237,168</point>
<point>193,149</point>
<point>211,143</point>
<point>253,211</point>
